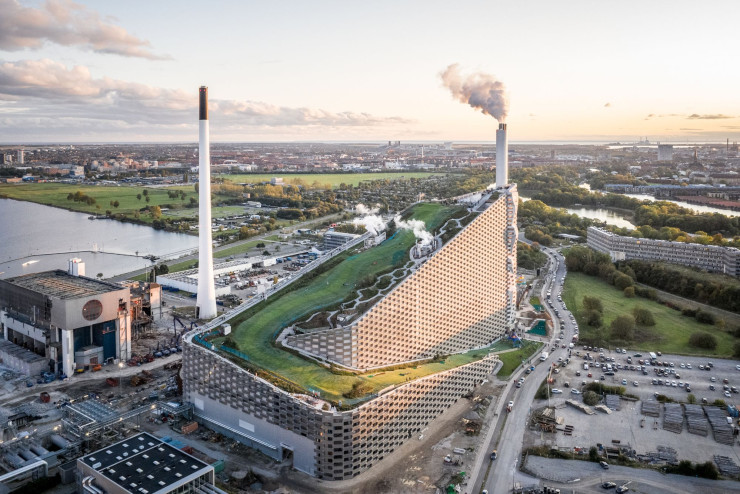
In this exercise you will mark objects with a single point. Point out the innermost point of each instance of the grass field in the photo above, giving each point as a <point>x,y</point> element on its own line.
<point>321,179</point>
<point>512,359</point>
<point>669,335</point>
<point>255,334</point>
<point>52,194</point>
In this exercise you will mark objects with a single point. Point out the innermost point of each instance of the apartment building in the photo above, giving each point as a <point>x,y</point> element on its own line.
<point>712,258</point>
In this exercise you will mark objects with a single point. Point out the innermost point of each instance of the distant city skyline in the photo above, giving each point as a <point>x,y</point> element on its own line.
<point>108,71</point>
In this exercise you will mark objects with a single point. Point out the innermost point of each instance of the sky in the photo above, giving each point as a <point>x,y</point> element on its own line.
<point>112,71</point>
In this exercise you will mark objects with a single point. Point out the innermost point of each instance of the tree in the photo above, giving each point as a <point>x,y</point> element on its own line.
<point>148,198</point>
<point>702,339</point>
<point>260,245</point>
<point>622,281</point>
<point>643,317</point>
<point>629,292</point>
<point>116,204</point>
<point>705,317</point>
<point>593,303</point>
<point>155,211</point>
<point>99,275</point>
<point>707,470</point>
<point>146,193</point>
<point>691,398</point>
<point>591,398</point>
<point>162,269</point>
<point>593,319</point>
<point>623,327</point>
<point>593,454</point>
<point>266,253</point>
<point>138,196</point>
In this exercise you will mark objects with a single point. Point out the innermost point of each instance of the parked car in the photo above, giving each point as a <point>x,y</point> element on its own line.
<point>604,465</point>
<point>608,485</point>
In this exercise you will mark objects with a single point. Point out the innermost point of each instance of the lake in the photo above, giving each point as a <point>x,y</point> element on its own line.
<point>39,238</point>
<point>602,214</point>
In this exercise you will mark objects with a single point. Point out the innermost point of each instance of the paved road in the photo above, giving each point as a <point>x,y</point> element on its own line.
<point>586,477</point>
<point>508,430</point>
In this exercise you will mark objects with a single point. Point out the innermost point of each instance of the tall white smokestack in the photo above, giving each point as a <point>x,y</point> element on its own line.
<point>206,301</point>
<point>502,156</point>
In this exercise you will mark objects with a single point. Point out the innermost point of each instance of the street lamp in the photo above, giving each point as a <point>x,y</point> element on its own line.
<point>121,365</point>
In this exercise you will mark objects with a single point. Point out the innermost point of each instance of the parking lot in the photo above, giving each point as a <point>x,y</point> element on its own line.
<point>628,425</point>
<point>668,375</point>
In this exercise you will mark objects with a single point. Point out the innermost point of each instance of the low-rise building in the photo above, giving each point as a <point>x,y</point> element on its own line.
<point>712,258</point>
<point>143,464</point>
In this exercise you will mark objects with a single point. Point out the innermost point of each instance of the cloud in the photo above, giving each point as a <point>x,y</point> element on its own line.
<point>714,116</point>
<point>68,24</point>
<point>608,105</point>
<point>35,92</point>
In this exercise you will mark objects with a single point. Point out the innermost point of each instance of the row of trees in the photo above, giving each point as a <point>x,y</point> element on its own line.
<point>715,290</point>
<point>660,214</point>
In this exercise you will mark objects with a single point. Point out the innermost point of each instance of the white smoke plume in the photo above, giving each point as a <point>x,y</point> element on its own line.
<point>416,226</point>
<point>373,223</point>
<point>481,91</point>
<point>362,209</point>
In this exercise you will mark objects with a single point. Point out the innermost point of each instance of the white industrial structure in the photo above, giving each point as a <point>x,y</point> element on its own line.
<point>206,301</point>
<point>502,157</point>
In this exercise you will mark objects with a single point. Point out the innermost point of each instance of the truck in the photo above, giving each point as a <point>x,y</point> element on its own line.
<point>544,356</point>
<point>653,357</point>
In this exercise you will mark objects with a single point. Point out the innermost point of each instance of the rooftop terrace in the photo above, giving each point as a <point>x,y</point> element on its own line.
<point>255,330</point>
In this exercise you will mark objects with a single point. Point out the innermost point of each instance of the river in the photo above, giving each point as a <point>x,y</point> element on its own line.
<point>602,214</point>
<point>31,231</point>
<point>699,208</point>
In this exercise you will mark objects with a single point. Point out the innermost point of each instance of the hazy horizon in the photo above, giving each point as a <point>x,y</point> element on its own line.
<point>337,71</point>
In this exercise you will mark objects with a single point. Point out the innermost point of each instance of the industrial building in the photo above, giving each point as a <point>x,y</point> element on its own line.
<point>68,320</point>
<point>332,239</point>
<point>467,292</point>
<point>712,258</point>
<point>143,464</point>
<point>461,298</point>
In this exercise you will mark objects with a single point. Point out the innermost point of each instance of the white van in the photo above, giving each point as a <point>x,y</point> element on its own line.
<point>585,366</point>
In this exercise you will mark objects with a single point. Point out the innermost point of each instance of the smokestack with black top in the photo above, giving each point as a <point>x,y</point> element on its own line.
<point>502,156</point>
<point>206,296</point>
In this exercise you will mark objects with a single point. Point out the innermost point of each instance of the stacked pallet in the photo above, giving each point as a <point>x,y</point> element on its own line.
<point>727,467</point>
<point>668,454</point>
<point>651,408</point>
<point>673,418</point>
<point>696,420</point>
<point>612,401</point>
<point>722,430</point>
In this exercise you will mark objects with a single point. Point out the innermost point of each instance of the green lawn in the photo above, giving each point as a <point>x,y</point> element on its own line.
<point>669,335</point>
<point>54,194</point>
<point>255,334</point>
<point>243,248</point>
<point>512,359</point>
<point>321,179</point>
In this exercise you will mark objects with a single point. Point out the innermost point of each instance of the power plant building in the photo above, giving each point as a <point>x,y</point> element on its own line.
<point>68,321</point>
<point>462,298</point>
<point>144,464</point>
<point>712,258</point>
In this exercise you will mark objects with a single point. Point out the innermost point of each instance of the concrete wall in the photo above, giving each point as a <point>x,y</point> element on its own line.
<point>67,313</point>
